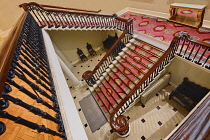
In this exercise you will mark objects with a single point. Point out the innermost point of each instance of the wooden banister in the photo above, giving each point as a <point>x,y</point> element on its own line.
<point>79,11</point>
<point>124,127</point>
<point>89,74</point>
<point>199,42</point>
<point>7,50</point>
<point>196,125</point>
<point>56,7</point>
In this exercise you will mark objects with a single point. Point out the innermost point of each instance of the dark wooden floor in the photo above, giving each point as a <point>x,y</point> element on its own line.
<point>16,131</point>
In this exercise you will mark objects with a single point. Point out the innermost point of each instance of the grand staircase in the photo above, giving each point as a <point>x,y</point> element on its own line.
<point>125,71</point>
<point>117,81</point>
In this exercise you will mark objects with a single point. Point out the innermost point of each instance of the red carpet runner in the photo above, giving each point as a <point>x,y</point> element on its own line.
<point>163,30</point>
<point>129,67</point>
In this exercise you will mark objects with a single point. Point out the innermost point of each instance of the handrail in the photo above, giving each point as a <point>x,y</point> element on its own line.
<point>193,126</point>
<point>194,40</point>
<point>113,46</point>
<point>153,68</point>
<point>7,50</point>
<point>58,7</point>
<point>25,7</point>
<point>195,53</point>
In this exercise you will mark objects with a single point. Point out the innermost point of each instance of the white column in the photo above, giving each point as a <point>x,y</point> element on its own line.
<point>76,83</point>
<point>60,54</point>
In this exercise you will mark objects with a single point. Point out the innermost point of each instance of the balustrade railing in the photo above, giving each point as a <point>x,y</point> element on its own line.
<point>193,50</point>
<point>119,122</point>
<point>23,57</point>
<point>24,60</point>
<point>53,16</point>
<point>92,76</point>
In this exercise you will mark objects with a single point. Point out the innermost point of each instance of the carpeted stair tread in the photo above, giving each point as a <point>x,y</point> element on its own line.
<point>104,100</point>
<point>119,82</point>
<point>132,77</point>
<point>123,77</point>
<point>134,62</point>
<point>118,89</point>
<point>139,56</point>
<point>149,56</point>
<point>139,60</point>
<point>110,91</point>
<point>140,46</point>
<point>151,43</point>
<point>132,65</point>
<point>133,69</point>
<point>101,104</point>
<point>149,48</point>
<point>107,93</point>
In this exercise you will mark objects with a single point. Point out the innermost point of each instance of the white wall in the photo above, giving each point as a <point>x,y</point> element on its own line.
<point>69,41</point>
<point>9,11</point>
<point>180,68</point>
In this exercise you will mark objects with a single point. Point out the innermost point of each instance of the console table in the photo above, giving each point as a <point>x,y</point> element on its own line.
<point>190,15</point>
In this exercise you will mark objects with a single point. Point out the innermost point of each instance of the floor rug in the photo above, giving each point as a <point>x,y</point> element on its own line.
<point>92,112</point>
<point>162,29</point>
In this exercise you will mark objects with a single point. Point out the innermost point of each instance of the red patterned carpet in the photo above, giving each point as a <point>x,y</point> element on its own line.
<point>161,29</point>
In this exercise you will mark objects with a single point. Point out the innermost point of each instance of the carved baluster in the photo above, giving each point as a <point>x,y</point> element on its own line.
<point>201,57</point>
<point>34,86</point>
<point>186,48</point>
<point>37,11</point>
<point>31,8</point>
<point>72,20</point>
<point>67,20</point>
<point>31,95</point>
<point>35,71</point>
<point>54,20</point>
<point>39,128</point>
<point>45,17</point>
<point>188,58</point>
<point>199,47</point>
<point>31,108</point>
<point>62,21</point>
<point>50,19</point>
<point>204,64</point>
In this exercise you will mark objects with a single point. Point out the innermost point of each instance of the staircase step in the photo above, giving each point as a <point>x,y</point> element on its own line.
<point>163,46</point>
<point>156,51</point>
<point>139,60</point>
<point>144,53</point>
<point>103,107</point>
<point>107,93</point>
<point>135,62</point>
<point>132,68</point>
<point>105,104</point>
<point>133,78</point>
<point>118,90</point>
<point>123,77</point>
<point>118,82</point>
<point>139,56</point>
<point>111,91</point>
<point>141,46</point>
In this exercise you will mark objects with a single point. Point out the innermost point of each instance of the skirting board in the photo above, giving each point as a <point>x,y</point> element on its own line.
<point>87,54</point>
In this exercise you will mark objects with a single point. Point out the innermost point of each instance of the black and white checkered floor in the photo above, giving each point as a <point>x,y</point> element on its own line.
<point>154,121</point>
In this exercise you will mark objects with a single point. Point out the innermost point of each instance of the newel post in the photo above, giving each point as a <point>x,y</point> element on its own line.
<point>89,78</point>
<point>120,125</point>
